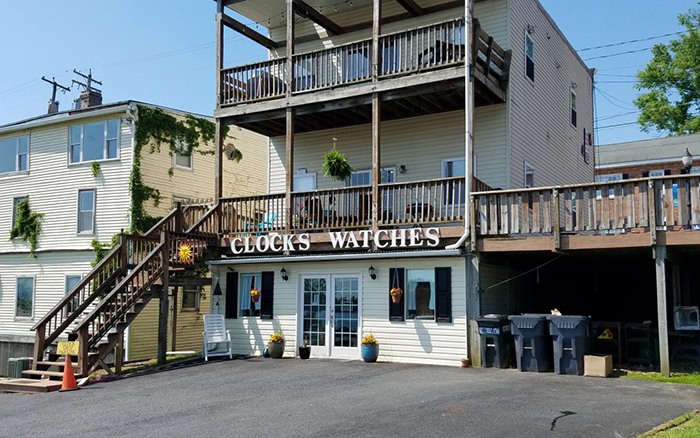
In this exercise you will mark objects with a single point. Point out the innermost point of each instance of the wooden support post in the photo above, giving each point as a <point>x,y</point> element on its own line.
<point>676,285</point>
<point>473,309</point>
<point>163,314</point>
<point>39,341</point>
<point>652,211</point>
<point>173,318</point>
<point>219,161</point>
<point>472,222</point>
<point>376,162</point>
<point>179,220</point>
<point>219,50</point>
<point>289,166</point>
<point>119,354</point>
<point>469,150</point>
<point>83,357</point>
<point>123,252</point>
<point>557,218</point>
<point>662,314</point>
<point>289,79</point>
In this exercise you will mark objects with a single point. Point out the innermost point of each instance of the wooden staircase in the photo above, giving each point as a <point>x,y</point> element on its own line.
<point>107,300</point>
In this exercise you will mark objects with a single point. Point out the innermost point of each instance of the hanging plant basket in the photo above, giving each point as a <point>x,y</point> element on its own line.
<point>336,166</point>
<point>396,294</point>
<point>255,295</point>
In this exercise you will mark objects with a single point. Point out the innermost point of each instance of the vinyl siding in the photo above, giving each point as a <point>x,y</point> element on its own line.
<point>49,271</point>
<point>52,186</point>
<point>539,119</point>
<point>410,341</point>
<point>419,143</point>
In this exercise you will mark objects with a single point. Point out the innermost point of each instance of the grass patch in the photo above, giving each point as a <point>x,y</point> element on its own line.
<point>683,378</point>
<point>685,426</point>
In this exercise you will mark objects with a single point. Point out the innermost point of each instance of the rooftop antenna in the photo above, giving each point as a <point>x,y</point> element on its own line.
<point>88,86</point>
<point>53,103</point>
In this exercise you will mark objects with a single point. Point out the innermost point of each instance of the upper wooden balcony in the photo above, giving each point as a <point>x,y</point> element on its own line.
<point>621,214</point>
<point>427,60</point>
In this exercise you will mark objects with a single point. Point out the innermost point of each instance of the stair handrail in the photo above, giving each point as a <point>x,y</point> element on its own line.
<point>107,300</point>
<point>175,216</point>
<point>204,220</point>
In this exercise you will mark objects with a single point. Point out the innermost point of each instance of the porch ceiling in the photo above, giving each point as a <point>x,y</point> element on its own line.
<point>261,11</point>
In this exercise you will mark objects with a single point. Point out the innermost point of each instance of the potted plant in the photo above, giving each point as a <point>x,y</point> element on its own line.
<point>336,166</point>
<point>255,295</point>
<point>305,350</point>
<point>370,349</point>
<point>276,346</point>
<point>396,294</point>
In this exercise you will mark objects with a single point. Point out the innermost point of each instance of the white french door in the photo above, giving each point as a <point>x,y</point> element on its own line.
<point>330,314</point>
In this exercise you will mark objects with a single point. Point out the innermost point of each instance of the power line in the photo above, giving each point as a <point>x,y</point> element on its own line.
<point>619,54</point>
<point>608,97</point>
<point>614,116</point>
<point>619,125</point>
<point>630,41</point>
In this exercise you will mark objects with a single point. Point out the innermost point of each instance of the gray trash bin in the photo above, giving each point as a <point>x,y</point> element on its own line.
<point>570,341</point>
<point>533,346</point>
<point>496,341</point>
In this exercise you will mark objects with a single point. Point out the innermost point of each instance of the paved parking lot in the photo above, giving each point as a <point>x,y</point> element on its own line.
<point>323,398</point>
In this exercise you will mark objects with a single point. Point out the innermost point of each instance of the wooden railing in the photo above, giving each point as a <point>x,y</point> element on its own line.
<point>208,223</point>
<point>433,201</point>
<point>196,247</point>
<point>409,51</point>
<point>348,207</point>
<point>598,208</point>
<point>171,222</point>
<point>253,214</point>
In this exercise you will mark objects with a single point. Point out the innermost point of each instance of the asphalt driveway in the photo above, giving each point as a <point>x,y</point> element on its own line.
<point>323,398</point>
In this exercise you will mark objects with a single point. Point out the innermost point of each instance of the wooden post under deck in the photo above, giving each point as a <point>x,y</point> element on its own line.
<point>289,131</point>
<point>662,315</point>
<point>376,117</point>
<point>218,161</point>
<point>163,314</point>
<point>119,354</point>
<point>83,359</point>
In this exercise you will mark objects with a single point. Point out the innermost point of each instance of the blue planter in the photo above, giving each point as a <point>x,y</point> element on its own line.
<point>370,353</point>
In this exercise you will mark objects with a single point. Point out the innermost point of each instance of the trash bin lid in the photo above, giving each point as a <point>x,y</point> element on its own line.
<point>493,316</point>
<point>567,321</point>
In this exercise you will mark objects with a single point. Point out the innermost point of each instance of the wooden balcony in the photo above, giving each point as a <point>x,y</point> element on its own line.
<point>440,201</point>
<point>409,52</point>
<point>621,214</point>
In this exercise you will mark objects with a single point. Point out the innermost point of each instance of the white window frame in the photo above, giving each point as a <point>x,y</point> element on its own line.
<point>528,168</point>
<point>17,170</point>
<point>15,201</point>
<point>197,298</point>
<point>17,277</point>
<point>447,160</point>
<point>573,109</point>
<point>432,292</point>
<point>94,212</point>
<point>304,175</point>
<point>600,179</point>
<point>657,173</point>
<point>528,37</point>
<point>176,154</point>
<point>258,276</point>
<point>104,144</point>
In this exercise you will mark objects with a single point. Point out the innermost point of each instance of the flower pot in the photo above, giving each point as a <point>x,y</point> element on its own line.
<point>396,298</point>
<point>276,349</point>
<point>304,352</point>
<point>466,362</point>
<point>255,298</point>
<point>333,171</point>
<point>370,353</point>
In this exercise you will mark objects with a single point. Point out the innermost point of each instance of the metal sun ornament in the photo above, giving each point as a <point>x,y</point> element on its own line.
<point>185,254</point>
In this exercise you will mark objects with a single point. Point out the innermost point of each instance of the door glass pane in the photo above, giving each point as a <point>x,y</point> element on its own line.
<point>315,311</point>
<point>346,295</point>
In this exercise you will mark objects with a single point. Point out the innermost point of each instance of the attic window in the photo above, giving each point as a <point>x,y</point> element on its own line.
<point>529,58</point>
<point>182,160</point>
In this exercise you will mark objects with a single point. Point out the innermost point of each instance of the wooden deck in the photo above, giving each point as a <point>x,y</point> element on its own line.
<point>622,214</point>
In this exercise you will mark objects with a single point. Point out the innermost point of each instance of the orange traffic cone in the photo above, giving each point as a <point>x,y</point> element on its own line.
<point>68,383</point>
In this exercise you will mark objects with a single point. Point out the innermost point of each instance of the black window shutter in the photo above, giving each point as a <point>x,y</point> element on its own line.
<point>645,174</point>
<point>667,172</point>
<point>231,295</point>
<point>443,294</point>
<point>396,279</point>
<point>267,294</point>
<point>625,176</point>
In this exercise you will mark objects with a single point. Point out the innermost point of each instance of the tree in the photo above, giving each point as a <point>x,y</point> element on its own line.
<point>672,78</point>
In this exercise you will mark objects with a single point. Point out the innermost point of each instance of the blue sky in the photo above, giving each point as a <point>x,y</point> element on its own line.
<point>163,52</point>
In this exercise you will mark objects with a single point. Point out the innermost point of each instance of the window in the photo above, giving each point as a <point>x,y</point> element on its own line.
<point>86,211</point>
<point>71,282</point>
<point>14,155</point>
<point>529,177</point>
<point>15,206</point>
<point>654,173</point>
<point>94,141</point>
<point>24,298</point>
<point>361,178</point>
<point>304,182</point>
<point>453,167</point>
<point>607,178</point>
<point>529,58</point>
<point>190,298</point>
<point>420,293</point>
<point>695,170</point>
<point>248,306</point>
<point>182,160</point>
<point>356,65</point>
<point>573,108</point>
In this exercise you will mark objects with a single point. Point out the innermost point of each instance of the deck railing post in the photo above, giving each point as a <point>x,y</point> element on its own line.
<point>472,222</point>
<point>652,211</point>
<point>123,252</point>
<point>163,314</point>
<point>179,222</point>
<point>557,219</point>
<point>39,338</point>
<point>83,357</point>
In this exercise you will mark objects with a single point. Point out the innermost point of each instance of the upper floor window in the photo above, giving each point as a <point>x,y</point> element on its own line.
<point>14,154</point>
<point>529,58</point>
<point>24,297</point>
<point>86,211</point>
<point>94,141</point>
<point>573,111</point>
<point>529,175</point>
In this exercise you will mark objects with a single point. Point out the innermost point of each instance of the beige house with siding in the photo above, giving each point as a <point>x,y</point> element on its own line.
<point>74,167</point>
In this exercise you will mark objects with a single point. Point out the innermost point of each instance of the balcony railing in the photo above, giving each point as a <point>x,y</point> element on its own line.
<point>598,208</point>
<point>418,202</point>
<point>406,52</point>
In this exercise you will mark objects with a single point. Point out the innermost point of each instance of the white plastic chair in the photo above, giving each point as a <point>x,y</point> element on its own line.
<point>215,332</point>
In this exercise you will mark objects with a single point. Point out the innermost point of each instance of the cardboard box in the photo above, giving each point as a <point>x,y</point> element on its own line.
<point>597,365</point>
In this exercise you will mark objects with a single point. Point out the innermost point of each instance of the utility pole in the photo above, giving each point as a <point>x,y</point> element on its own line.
<point>88,79</point>
<point>53,104</point>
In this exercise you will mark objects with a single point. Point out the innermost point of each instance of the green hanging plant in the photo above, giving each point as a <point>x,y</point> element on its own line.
<point>27,226</point>
<point>95,169</point>
<point>336,166</point>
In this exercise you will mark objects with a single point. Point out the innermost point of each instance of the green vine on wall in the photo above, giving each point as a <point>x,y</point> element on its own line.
<point>95,168</point>
<point>27,225</point>
<point>156,127</point>
<point>102,249</point>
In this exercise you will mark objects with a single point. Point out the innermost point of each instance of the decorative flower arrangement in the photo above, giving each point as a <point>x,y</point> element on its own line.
<point>276,338</point>
<point>255,295</point>
<point>336,165</point>
<point>185,255</point>
<point>370,340</point>
<point>396,293</point>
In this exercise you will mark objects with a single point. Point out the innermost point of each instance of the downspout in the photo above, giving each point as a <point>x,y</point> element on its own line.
<point>468,121</point>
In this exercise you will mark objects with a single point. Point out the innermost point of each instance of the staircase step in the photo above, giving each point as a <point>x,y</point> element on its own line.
<point>43,373</point>
<point>56,364</point>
